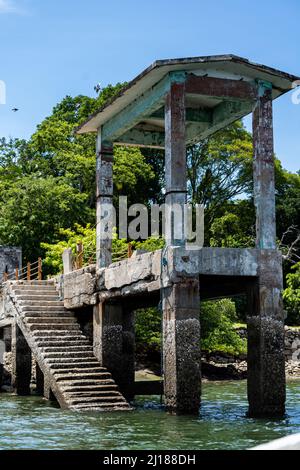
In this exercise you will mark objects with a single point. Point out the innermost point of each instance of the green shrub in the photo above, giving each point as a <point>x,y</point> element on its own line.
<point>148,330</point>
<point>217,327</point>
<point>291,295</point>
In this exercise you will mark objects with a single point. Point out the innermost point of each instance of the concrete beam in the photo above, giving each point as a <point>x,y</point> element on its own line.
<point>224,114</point>
<point>222,88</point>
<point>142,138</point>
<point>193,115</point>
<point>142,107</point>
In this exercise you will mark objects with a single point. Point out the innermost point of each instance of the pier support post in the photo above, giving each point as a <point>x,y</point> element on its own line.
<point>21,362</point>
<point>175,164</point>
<point>266,362</point>
<point>104,203</point>
<point>114,343</point>
<point>181,347</point>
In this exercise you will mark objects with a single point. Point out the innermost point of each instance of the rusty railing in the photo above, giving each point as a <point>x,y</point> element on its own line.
<point>30,272</point>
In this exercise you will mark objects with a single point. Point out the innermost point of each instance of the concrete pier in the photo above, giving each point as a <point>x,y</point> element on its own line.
<point>172,104</point>
<point>181,347</point>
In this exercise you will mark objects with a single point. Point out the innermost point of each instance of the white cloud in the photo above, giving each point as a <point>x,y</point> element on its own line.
<point>8,6</point>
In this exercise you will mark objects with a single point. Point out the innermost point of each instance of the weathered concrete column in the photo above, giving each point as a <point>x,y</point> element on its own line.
<point>266,361</point>
<point>114,343</point>
<point>21,362</point>
<point>263,169</point>
<point>104,203</point>
<point>266,367</point>
<point>127,386</point>
<point>181,347</point>
<point>175,163</point>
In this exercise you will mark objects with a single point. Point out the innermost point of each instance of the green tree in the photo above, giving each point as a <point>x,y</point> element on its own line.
<point>228,231</point>
<point>291,295</point>
<point>220,169</point>
<point>217,327</point>
<point>34,209</point>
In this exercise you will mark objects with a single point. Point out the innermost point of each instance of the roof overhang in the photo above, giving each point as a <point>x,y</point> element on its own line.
<point>222,66</point>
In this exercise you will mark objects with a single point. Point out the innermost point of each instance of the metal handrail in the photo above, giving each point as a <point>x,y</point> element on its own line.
<point>32,271</point>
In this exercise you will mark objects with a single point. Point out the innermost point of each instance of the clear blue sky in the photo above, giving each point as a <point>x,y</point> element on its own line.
<point>50,48</point>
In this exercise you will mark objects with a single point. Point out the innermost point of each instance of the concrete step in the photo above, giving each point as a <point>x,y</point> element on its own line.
<point>43,302</point>
<point>93,393</point>
<point>85,348</point>
<point>84,369</point>
<point>38,314</point>
<point>84,384</point>
<point>47,327</point>
<point>105,387</point>
<point>34,288</point>
<point>99,400</point>
<point>70,359</point>
<point>42,308</point>
<point>58,333</point>
<point>34,297</point>
<point>62,355</point>
<point>53,344</point>
<point>75,364</point>
<point>119,406</point>
<point>34,282</point>
<point>63,376</point>
<point>51,320</point>
<point>60,341</point>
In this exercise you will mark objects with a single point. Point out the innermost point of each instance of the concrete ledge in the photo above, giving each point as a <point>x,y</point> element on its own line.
<point>148,272</point>
<point>79,288</point>
<point>216,261</point>
<point>146,266</point>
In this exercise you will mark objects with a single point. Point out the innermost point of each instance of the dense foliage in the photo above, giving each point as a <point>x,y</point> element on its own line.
<point>217,327</point>
<point>291,295</point>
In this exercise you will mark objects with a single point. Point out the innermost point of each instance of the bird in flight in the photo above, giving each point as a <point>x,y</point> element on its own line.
<point>15,110</point>
<point>97,88</point>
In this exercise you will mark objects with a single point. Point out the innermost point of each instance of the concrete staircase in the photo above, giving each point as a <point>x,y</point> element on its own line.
<point>64,354</point>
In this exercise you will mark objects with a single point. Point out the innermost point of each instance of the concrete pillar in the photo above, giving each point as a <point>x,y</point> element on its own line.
<point>39,380</point>
<point>263,169</point>
<point>128,353</point>
<point>104,202</point>
<point>266,365</point>
<point>48,394</point>
<point>175,165</point>
<point>21,362</point>
<point>114,343</point>
<point>67,257</point>
<point>181,347</point>
<point>266,361</point>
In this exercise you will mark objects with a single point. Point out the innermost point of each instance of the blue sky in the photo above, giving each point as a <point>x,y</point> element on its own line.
<point>52,48</point>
